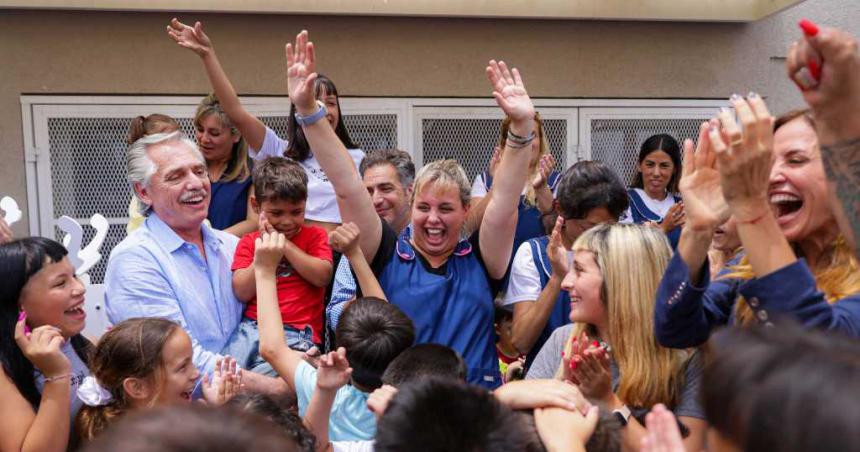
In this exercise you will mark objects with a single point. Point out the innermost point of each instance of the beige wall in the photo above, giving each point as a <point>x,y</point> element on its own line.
<point>53,52</point>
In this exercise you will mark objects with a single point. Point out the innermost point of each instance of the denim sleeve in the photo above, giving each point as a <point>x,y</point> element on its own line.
<point>685,314</point>
<point>792,292</point>
<point>342,291</point>
<point>136,287</point>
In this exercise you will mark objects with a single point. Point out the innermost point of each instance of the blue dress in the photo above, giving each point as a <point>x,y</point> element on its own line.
<point>642,214</point>
<point>451,305</point>
<point>560,314</point>
<point>229,204</point>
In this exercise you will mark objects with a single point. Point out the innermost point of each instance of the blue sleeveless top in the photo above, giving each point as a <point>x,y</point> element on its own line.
<point>529,223</point>
<point>451,305</point>
<point>641,214</point>
<point>560,314</point>
<point>229,204</point>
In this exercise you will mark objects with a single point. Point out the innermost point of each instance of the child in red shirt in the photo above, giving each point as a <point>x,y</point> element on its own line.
<point>280,193</point>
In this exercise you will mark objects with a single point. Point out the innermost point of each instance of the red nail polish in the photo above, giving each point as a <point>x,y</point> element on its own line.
<point>814,70</point>
<point>595,343</point>
<point>572,365</point>
<point>809,28</point>
<point>22,315</point>
<point>562,353</point>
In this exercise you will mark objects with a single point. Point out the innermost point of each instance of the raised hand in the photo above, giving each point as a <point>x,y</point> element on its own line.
<point>674,217</point>
<point>545,166</point>
<point>43,348</point>
<point>556,251</point>
<point>269,249</point>
<point>511,95</point>
<point>592,370</point>
<point>745,157</point>
<point>345,239</point>
<point>530,394</point>
<point>225,383</point>
<point>663,434</point>
<point>192,38</point>
<point>301,64</point>
<point>379,399</point>
<point>704,205</point>
<point>835,96</point>
<point>560,429</point>
<point>334,370</point>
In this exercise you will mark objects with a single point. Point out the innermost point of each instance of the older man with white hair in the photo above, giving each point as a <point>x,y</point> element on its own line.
<point>175,266</point>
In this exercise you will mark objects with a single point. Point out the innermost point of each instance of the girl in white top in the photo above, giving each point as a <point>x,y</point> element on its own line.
<point>321,208</point>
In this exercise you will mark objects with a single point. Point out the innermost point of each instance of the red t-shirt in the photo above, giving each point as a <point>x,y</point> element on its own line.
<point>301,302</point>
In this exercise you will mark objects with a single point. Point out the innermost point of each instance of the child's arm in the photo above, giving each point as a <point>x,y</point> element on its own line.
<point>346,239</point>
<point>273,347</point>
<point>312,269</point>
<point>195,39</point>
<point>332,374</point>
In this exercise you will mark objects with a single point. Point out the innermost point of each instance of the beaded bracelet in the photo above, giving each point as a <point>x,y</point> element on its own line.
<point>57,378</point>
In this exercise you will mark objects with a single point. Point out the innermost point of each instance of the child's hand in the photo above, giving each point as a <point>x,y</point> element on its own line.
<point>559,429</point>
<point>379,399</point>
<point>345,239</point>
<point>264,226</point>
<point>333,371</point>
<point>192,38</point>
<point>663,433</point>
<point>43,348</point>
<point>591,368</point>
<point>312,357</point>
<point>225,383</point>
<point>529,394</point>
<point>268,251</point>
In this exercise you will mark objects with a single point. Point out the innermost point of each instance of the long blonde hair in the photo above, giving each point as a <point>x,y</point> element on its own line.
<point>237,167</point>
<point>632,259</point>
<point>530,196</point>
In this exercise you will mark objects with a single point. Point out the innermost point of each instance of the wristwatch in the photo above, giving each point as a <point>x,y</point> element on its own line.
<point>311,119</point>
<point>622,414</point>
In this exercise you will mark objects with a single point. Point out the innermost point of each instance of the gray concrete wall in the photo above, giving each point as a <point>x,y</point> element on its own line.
<point>75,52</point>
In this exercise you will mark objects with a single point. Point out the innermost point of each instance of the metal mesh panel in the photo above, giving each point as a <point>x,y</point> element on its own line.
<point>471,141</point>
<point>368,131</point>
<point>87,157</point>
<point>616,142</point>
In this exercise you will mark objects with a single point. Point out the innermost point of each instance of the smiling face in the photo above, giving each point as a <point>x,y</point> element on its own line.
<point>390,198</point>
<point>54,296</point>
<point>179,190</point>
<point>332,114</point>
<point>178,375</point>
<point>286,216</point>
<point>584,282</point>
<point>438,216</point>
<point>657,169</point>
<point>215,139</point>
<point>798,184</point>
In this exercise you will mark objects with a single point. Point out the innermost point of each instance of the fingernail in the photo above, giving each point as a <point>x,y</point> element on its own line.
<point>809,28</point>
<point>814,70</point>
<point>725,111</point>
<point>562,353</point>
<point>22,315</point>
<point>752,95</point>
<point>572,365</point>
<point>804,79</point>
<point>735,97</point>
<point>595,343</point>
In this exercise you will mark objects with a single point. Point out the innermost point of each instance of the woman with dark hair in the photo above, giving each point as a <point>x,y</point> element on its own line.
<point>654,198</point>
<point>321,208</point>
<point>43,354</point>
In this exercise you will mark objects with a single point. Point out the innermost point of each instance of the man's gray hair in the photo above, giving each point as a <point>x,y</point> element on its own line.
<point>140,168</point>
<point>400,160</point>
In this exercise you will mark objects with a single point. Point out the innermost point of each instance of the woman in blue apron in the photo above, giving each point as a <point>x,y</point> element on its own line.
<point>589,193</point>
<point>654,197</point>
<point>443,282</point>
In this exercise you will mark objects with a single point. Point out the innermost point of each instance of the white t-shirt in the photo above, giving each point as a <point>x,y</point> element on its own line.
<point>479,187</point>
<point>525,283</point>
<point>658,207</point>
<point>322,203</point>
<point>352,446</point>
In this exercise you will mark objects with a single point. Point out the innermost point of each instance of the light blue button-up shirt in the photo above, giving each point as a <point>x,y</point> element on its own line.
<point>155,273</point>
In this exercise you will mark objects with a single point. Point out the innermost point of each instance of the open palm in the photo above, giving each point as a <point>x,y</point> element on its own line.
<point>301,64</point>
<point>192,38</point>
<point>509,91</point>
<point>704,204</point>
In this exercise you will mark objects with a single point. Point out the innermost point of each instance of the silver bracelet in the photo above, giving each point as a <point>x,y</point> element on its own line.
<point>520,139</point>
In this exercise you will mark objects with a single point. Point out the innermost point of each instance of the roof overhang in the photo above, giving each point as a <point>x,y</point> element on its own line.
<point>634,10</point>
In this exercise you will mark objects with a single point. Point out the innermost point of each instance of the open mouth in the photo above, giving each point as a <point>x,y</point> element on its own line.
<point>77,311</point>
<point>435,236</point>
<point>193,200</point>
<point>785,206</point>
<point>186,395</point>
